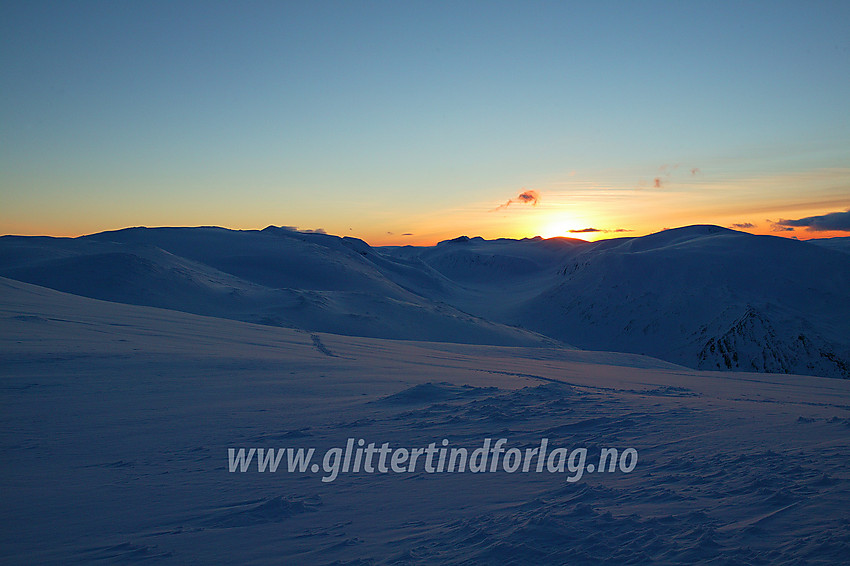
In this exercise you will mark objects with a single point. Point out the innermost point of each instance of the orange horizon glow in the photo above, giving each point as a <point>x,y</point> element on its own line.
<point>549,231</point>
<point>591,206</point>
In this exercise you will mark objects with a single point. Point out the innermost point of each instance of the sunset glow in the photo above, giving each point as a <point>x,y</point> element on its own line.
<point>409,123</point>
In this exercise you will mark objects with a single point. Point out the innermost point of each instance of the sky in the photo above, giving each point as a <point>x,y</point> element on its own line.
<point>413,122</point>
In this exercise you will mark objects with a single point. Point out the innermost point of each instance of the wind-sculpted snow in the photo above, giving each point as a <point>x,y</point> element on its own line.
<point>117,420</point>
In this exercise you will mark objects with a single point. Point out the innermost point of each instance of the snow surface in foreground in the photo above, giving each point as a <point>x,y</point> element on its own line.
<point>116,421</point>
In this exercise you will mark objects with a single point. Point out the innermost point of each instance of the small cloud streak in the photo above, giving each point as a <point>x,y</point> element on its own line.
<point>667,173</point>
<point>524,197</point>
<point>589,230</point>
<point>744,225</point>
<point>529,196</point>
<point>297,229</point>
<point>776,227</point>
<point>833,221</point>
<point>407,234</point>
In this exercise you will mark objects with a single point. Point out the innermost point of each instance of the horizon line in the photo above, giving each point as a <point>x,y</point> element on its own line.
<point>460,237</point>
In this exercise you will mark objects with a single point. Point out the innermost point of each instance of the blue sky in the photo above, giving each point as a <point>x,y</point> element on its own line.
<point>381,118</point>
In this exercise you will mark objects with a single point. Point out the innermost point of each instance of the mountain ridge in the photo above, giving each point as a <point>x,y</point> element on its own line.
<point>701,296</point>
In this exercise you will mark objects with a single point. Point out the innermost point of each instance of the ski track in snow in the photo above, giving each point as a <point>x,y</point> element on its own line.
<point>317,342</point>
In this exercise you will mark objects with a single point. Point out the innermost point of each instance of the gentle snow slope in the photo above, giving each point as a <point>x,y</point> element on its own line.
<point>117,419</point>
<point>276,276</point>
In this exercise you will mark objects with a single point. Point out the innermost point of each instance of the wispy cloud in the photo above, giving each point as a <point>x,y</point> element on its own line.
<point>744,225</point>
<point>776,227</point>
<point>525,197</point>
<point>307,231</point>
<point>588,230</point>
<point>837,221</point>
<point>667,172</point>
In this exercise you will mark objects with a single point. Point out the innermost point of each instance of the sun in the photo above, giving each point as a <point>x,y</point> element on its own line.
<point>561,229</point>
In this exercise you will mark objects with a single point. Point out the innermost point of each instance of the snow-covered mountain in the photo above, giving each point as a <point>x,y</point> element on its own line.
<point>840,244</point>
<point>706,297</point>
<point>275,276</point>
<point>701,296</point>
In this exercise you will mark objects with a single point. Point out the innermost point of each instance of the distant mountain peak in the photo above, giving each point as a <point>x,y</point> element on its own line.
<point>461,240</point>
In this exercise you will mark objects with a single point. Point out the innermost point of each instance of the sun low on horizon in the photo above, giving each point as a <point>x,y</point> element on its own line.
<point>412,123</point>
